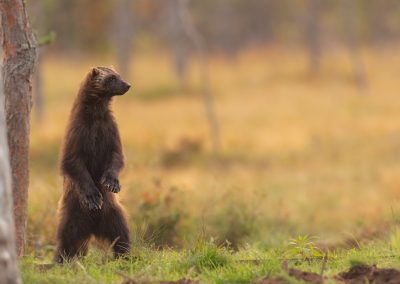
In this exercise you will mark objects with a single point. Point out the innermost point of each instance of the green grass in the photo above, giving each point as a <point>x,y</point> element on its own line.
<point>207,263</point>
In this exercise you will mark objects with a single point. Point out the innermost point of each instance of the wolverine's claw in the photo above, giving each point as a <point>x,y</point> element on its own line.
<point>110,183</point>
<point>92,199</point>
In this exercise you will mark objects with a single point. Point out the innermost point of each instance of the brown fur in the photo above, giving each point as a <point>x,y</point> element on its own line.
<point>90,164</point>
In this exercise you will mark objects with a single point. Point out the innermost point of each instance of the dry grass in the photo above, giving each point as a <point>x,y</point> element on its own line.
<point>300,154</point>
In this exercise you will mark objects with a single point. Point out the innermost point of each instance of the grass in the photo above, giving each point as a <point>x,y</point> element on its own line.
<point>300,156</point>
<point>205,262</point>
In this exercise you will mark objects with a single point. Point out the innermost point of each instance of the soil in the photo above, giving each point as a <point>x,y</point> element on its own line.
<point>359,274</point>
<point>308,277</point>
<point>369,274</point>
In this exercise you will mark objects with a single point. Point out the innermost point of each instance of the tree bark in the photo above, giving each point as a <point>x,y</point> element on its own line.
<point>8,260</point>
<point>19,61</point>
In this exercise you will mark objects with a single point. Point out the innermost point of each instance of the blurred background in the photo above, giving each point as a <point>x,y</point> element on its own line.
<point>249,121</point>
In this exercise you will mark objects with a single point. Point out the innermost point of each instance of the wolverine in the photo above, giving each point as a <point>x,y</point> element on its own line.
<point>91,160</point>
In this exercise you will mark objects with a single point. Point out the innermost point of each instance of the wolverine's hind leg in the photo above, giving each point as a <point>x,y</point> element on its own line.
<point>73,236</point>
<point>114,228</point>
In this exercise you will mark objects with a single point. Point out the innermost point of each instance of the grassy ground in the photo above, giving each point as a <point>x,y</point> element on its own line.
<point>300,155</point>
<point>207,263</point>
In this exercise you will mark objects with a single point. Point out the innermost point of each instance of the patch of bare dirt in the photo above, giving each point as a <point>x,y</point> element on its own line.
<point>361,274</point>
<point>308,277</point>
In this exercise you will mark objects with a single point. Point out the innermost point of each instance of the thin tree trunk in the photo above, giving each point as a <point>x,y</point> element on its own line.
<point>123,36</point>
<point>8,259</point>
<point>19,62</point>
<point>208,99</point>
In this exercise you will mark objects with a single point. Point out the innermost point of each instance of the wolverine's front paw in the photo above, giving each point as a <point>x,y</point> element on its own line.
<point>92,199</point>
<point>110,183</point>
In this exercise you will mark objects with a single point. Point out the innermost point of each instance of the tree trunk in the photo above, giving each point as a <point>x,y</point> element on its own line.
<point>19,61</point>
<point>208,99</point>
<point>123,36</point>
<point>8,260</point>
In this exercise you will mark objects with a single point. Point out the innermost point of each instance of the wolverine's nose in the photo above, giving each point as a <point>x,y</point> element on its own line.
<point>127,87</point>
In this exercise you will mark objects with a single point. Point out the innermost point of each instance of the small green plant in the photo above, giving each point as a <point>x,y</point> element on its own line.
<point>206,255</point>
<point>303,247</point>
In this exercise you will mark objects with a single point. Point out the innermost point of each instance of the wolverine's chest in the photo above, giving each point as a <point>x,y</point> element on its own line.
<point>99,145</point>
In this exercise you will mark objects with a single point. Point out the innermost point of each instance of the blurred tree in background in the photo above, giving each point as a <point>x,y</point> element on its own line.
<point>123,34</point>
<point>227,25</point>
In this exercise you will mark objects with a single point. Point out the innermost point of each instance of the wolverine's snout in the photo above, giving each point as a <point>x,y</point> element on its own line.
<point>125,88</point>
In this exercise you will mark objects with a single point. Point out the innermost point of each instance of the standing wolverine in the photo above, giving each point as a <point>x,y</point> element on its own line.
<point>90,163</point>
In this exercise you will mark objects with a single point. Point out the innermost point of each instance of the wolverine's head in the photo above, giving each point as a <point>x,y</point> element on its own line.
<point>105,82</point>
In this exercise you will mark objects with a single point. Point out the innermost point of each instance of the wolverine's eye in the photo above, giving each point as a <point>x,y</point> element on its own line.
<point>111,79</point>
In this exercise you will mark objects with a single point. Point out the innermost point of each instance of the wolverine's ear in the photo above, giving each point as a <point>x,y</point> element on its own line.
<point>95,72</point>
<point>112,68</point>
